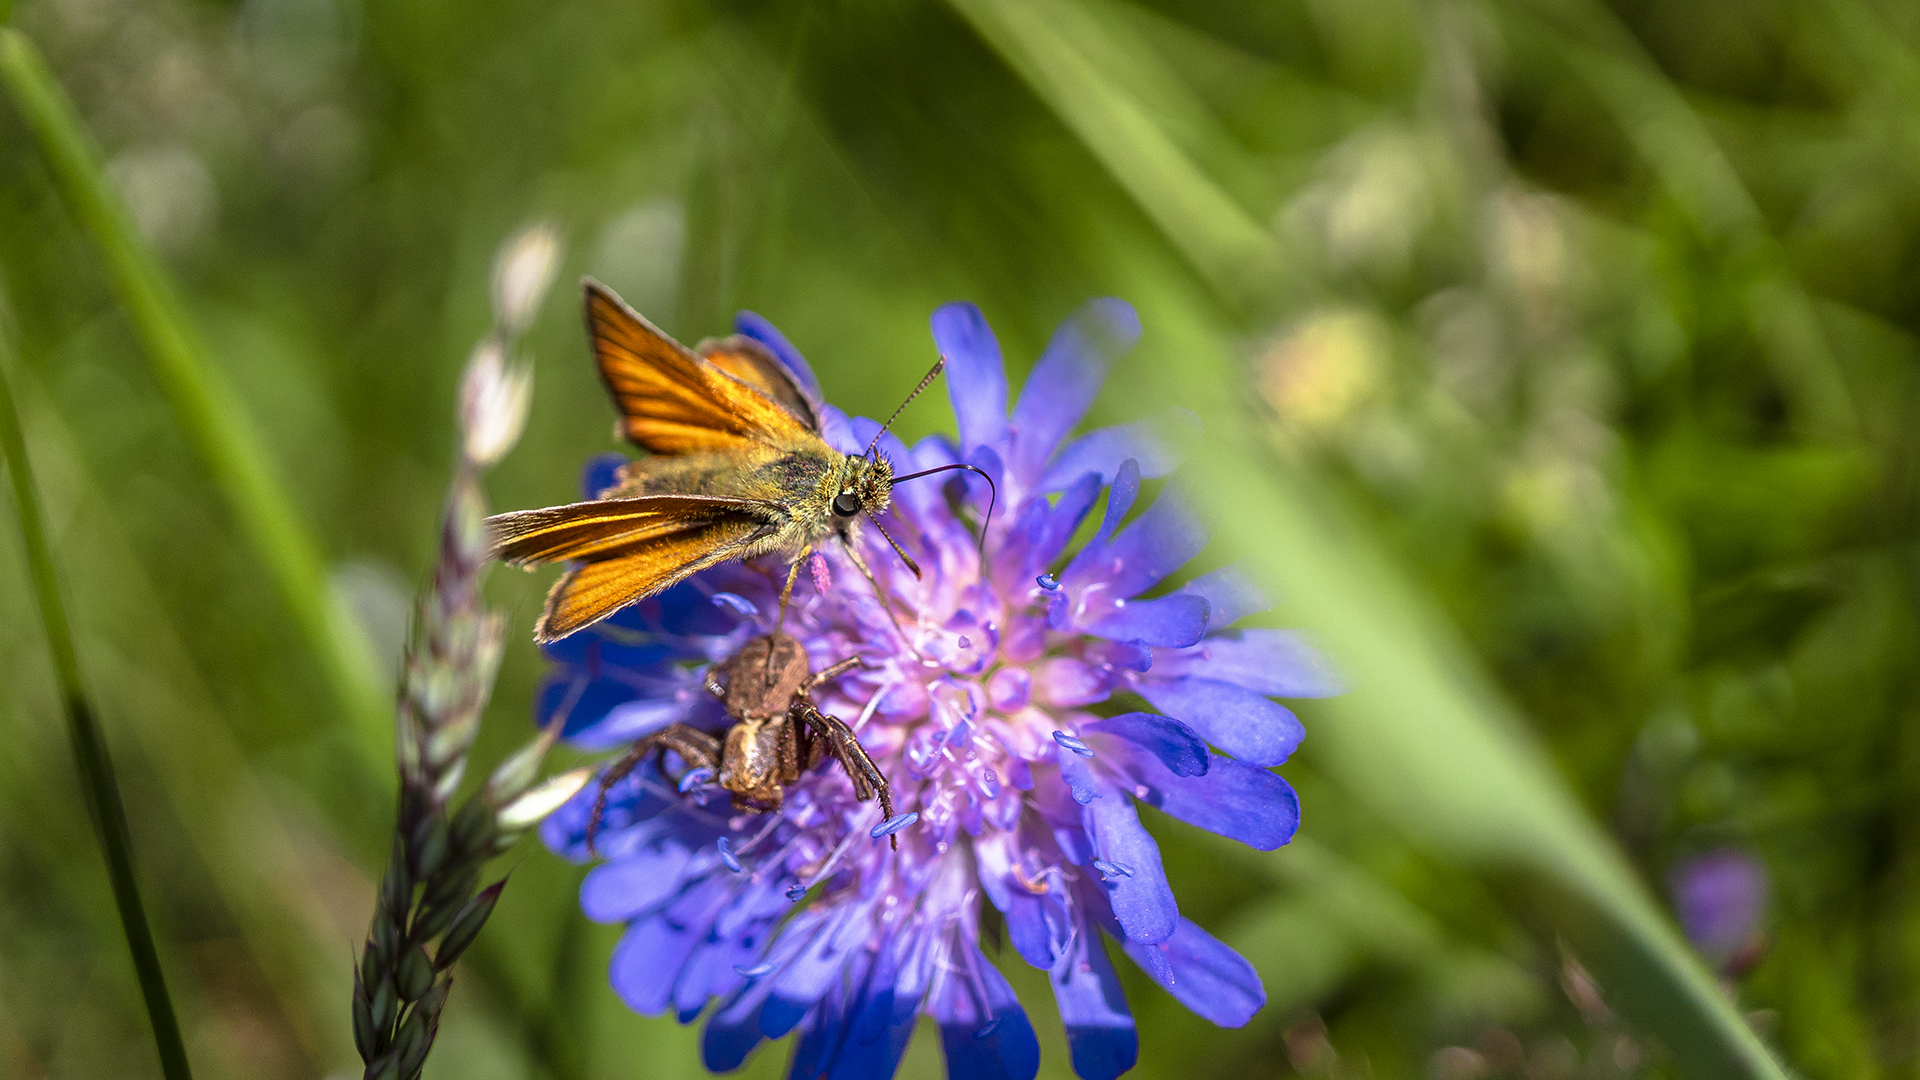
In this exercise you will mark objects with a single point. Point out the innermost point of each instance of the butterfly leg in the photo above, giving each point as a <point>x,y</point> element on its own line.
<point>786,594</point>
<point>844,745</point>
<point>878,593</point>
<point>697,748</point>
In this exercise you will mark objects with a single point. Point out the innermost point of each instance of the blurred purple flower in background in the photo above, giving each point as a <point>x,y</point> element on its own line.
<point>1720,896</point>
<point>995,722</point>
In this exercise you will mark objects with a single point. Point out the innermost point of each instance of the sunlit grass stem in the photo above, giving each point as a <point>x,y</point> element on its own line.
<point>89,746</point>
<point>215,422</point>
<point>1421,713</point>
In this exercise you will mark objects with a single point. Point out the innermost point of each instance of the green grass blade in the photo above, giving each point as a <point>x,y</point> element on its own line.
<point>1423,738</point>
<point>89,746</point>
<point>215,422</point>
<point>1045,43</point>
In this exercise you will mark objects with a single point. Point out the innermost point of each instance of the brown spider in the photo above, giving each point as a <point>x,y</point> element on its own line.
<point>777,734</point>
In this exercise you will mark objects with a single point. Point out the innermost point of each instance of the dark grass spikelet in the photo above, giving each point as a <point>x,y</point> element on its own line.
<point>431,906</point>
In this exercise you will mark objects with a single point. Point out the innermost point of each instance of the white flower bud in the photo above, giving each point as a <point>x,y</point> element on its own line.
<point>528,809</point>
<point>521,273</point>
<point>493,403</point>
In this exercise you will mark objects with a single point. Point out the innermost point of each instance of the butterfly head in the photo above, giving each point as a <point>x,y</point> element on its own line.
<point>865,488</point>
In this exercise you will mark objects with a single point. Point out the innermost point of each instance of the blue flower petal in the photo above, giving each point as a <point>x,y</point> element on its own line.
<point>1100,1030</point>
<point>1277,662</point>
<point>1231,596</point>
<point>601,472</point>
<point>829,1023</point>
<point>1077,772</point>
<point>1214,981</point>
<point>1066,379</point>
<point>1234,799</point>
<point>585,702</point>
<point>976,378</point>
<point>1153,545</point>
<point>734,1029</point>
<point>647,961</point>
<point>836,430</point>
<point>762,331</point>
<point>994,1043</point>
<point>1052,530</point>
<point>1036,924</point>
<point>1178,746</point>
<point>1233,718</point>
<point>1143,902</point>
<point>627,888</point>
<point>1174,621</point>
<point>808,975</point>
<point>730,1037</point>
<point>1103,449</point>
<point>1120,497</point>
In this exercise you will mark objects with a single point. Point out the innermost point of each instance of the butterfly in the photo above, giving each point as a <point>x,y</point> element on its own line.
<point>737,468</point>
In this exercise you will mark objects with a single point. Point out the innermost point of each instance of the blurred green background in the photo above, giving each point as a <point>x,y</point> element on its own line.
<point>1557,360</point>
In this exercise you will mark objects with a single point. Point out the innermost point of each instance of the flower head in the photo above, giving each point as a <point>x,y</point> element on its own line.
<point>999,711</point>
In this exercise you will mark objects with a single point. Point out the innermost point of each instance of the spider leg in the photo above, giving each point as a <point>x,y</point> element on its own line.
<point>694,746</point>
<point>790,750</point>
<point>845,746</point>
<point>713,685</point>
<point>835,671</point>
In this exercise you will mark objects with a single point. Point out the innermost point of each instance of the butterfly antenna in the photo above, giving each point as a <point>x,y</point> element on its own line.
<point>993,493</point>
<point>938,366</point>
<point>895,545</point>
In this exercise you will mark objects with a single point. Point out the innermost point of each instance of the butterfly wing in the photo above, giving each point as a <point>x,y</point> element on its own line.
<point>592,591</point>
<point>754,364</point>
<point>670,400</point>
<point>629,549</point>
<point>603,528</point>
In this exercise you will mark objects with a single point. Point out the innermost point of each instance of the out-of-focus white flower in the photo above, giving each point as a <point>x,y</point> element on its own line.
<point>493,403</point>
<point>521,273</point>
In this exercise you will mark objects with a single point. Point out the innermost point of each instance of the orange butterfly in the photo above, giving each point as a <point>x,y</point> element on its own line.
<point>737,469</point>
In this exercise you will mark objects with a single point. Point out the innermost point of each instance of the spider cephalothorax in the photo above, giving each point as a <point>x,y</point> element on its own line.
<point>777,733</point>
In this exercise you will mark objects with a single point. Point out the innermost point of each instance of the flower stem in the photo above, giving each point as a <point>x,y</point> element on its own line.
<point>89,747</point>
<point>214,420</point>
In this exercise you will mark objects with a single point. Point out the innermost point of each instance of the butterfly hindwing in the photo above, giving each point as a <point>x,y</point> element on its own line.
<point>672,401</point>
<point>754,364</point>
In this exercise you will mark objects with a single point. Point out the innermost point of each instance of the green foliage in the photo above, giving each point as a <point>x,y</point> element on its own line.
<point>1556,361</point>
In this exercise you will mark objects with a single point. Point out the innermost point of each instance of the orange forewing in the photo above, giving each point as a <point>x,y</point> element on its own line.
<point>603,527</point>
<point>592,591</point>
<point>672,401</point>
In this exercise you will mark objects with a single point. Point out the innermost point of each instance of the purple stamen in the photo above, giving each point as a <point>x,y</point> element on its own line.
<point>966,642</point>
<point>1072,744</point>
<point>727,856</point>
<point>1112,869</point>
<point>764,967</point>
<point>894,824</point>
<point>993,1025</point>
<point>796,891</point>
<point>738,603</point>
<point>1048,582</point>
<point>694,778</point>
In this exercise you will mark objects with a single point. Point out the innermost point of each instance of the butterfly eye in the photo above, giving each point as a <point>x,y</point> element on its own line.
<point>845,504</point>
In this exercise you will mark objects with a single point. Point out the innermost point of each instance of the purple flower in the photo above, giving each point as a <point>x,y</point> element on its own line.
<point>1009,720</point>
<point>1721,896</point>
